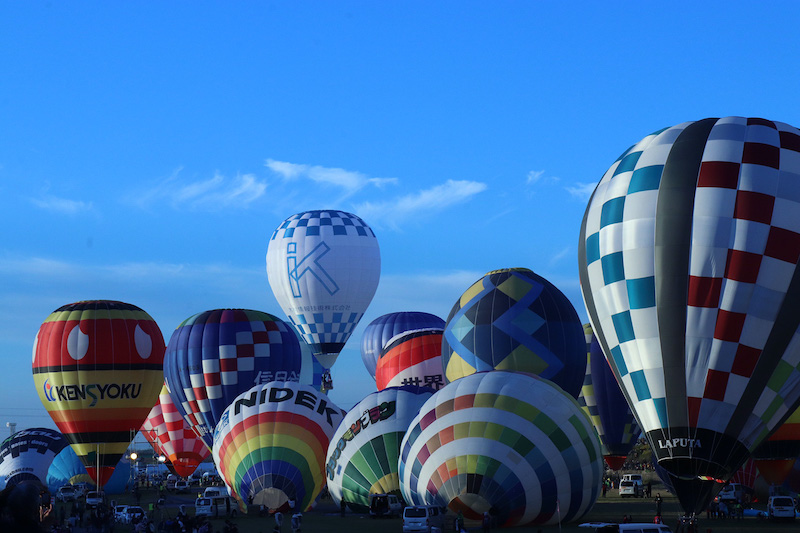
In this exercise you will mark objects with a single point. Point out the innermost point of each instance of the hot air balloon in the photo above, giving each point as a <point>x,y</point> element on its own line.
<point>170,434</point>
<point>411,358</point>
<point>67,468</point>
<point>270,444</point>
<point>514,319</point>
<point>97,366</point>
<point>602,399</point>
<point>382,329</point>
<point>215,355</point>
<point>364,451</point>
<point>323,267</point>
<point>27,454</point>
<point>509,443</point>
<point>776,456</point>
<point>688,264</point>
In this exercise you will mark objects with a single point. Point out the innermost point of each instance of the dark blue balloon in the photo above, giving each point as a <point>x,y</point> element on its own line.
<point>383,328</point>
<point>618,430</point>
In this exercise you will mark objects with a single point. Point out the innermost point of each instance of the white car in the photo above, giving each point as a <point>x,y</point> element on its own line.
<point>780,507</point>
<point>628,489</point>
<point>67,493</point>
<point>119,513</point>
<point>642,527</point>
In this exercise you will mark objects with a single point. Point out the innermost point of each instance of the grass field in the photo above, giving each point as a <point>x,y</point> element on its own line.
<point>325,518</point>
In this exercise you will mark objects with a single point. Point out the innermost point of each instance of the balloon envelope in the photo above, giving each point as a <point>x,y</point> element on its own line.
<point>364,451</point>
<point>214,356</point>
<point>170,435</point>
<point>28,454</point>
<point>514,319</point>
<point>323,267</point>
<point>688,263</point>
<point>271,442</point>
<point>602,399</point>
<point>382,329</point>
<point>509,443</point>
<point>411,358</point>
<point>98,367</point>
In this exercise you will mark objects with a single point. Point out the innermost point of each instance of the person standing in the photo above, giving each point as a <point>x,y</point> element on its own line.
<point>487,522</point>
<point>658,501</point>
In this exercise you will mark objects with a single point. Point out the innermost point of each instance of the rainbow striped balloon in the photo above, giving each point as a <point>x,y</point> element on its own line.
<point>271,443</point>
<point>511,444</point>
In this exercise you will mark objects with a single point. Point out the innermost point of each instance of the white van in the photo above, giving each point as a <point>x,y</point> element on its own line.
<point>643,527</point>
<point>628,488</point>
<point>731,492</point>
<point>780,507</point>
<point>423,518</point>
<point>215,506</point>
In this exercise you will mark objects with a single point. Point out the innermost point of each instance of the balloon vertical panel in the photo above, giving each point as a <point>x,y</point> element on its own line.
<point>324,267</point>
<point>688,263</point>
<point>98,367</point>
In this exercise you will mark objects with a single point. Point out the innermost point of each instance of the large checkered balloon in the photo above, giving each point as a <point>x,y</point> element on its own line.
<point>215,355</point>
<point>688,263</point>
<point>323,267</point>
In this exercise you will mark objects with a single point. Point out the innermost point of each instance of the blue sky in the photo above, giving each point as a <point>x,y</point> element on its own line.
<point>149,149</point>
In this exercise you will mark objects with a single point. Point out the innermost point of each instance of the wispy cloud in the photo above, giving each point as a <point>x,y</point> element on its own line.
<point>62,205</point>
<point>349,181</point>
<point>422,203</point>
<point>540,176</point>
<point>560,255</point>
<point>581,191</point>
<point>216,192</point>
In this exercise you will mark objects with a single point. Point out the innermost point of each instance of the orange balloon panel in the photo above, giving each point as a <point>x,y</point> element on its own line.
<point>97,366</point>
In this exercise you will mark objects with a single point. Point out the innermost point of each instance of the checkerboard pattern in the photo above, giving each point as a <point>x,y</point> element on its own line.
<point>744,253</point>
<point>324,222</point>
<point>215,355</point>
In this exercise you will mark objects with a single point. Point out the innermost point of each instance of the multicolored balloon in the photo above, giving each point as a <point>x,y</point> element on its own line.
<point>775,457</point>
<point>324,267</point>
<point>411,358</point>
<point>214,356</point>
<point>688,263</point>
<point>364,451</point>
<point>271,442</point>
<point>382,329</point>
<point>602,399</point>
<point>512,444</point>
<point>514,319</point>
<point>98,367</point>
<point>170,435</point>
<point>27,454</point>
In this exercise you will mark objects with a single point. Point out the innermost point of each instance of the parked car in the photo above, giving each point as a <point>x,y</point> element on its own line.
<point>215,506</point>
<point>384,505</point>
<point>629,489</point>
<point>780,507</point>
<point>133,513</point>
<point>731,492</point>
<point>181,485</point>
<point>119,513</point>
<point>94,498</point>
<point>633,527</point>
<point>422,518</point>
<point>67,493</point>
